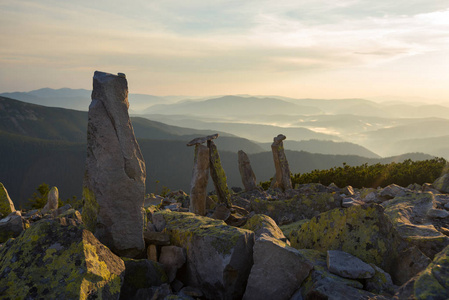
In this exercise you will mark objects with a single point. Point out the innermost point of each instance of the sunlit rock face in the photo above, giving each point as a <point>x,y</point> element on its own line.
<point>114,183</point>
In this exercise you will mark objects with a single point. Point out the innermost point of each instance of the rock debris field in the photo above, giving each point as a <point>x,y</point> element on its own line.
<point>306,241</point>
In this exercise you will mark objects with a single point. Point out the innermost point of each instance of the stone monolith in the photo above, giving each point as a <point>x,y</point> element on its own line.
<point>200,176</point>
<point>6,204</point>
<point>114,182</point>
<point>218,175</point>
<point>246,172</point>
<point>283,179</point>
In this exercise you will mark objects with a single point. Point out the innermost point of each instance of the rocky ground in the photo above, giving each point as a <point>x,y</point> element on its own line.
<point>310,242</point>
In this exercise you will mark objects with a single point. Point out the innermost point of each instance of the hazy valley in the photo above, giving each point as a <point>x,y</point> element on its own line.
<point>47,143</point>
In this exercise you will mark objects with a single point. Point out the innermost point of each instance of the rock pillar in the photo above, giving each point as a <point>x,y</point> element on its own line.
<point>200,176</point>
<point>218,175</point>
<point>283,179</point>
<point>114,182</point>
<point>6,204</point>
<point>246,172</point>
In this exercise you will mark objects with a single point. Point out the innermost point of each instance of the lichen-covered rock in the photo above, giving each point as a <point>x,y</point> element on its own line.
<point>219,257</point>
<point>409,215</point>
<point>262,224</point>
<point>11,227</point>
<point>363,231</point>
<point>278,270</point>
<point>442,183</point>
<point>411,263</point>
<point>141,274</point>
<point>348,266</point>
<point>433,282</point>
<point>51,261</point>
<point>282,177</point>
<point>198,184</point>
<point>6,204</point>
<point>52,200</point>
<point>297,208</point>
<point>218,175</point>
<point>114,182</point>
<point>380,283</point>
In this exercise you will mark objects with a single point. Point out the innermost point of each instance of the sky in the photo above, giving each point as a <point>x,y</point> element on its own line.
<point>300,49</point>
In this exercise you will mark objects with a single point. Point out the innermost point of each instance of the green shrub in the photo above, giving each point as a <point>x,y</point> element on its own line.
<point>403,174</point>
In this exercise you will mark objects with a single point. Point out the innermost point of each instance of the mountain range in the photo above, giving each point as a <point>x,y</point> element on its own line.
<point>45,144</point>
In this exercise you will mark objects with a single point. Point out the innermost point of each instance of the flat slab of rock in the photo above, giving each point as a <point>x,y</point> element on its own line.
<point>156,238</point>
<point>219,257</point>
<point>277,272</point>
<point>348,266</point>
<point>202,140</point>
<point>52,261</point>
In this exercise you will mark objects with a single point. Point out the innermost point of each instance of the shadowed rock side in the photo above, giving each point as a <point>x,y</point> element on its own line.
<point>114,182</point>
<point>218,175</point>
<point>246,172</point>
<point>200,176</point>
<point>283,179</point>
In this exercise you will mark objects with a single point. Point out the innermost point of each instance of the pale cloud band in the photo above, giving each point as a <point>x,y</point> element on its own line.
<point>194,47</point>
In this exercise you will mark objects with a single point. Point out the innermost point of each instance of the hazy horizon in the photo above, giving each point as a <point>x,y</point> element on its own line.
<point>313,49</point>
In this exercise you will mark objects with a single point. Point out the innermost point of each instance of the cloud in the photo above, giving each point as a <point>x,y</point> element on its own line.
<point>218,40</point>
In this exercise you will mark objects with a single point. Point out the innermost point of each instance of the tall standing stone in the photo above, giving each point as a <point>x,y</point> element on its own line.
<point>246,172</point>
<point>114,182</point>
<point>218,175</point>
<point>200,176</point>
<point>6,204</point>
<point>283,179</point>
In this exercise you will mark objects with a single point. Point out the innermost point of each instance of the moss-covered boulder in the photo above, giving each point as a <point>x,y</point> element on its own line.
<point>409,215</point>
<point>140,276</point>
<point>297,208</point>
<point>363,231</point>
<point>219,257</point>
<point>433,282</point>
<point>6,204</point>
<point>52,261</point>
<point>262,224</point>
